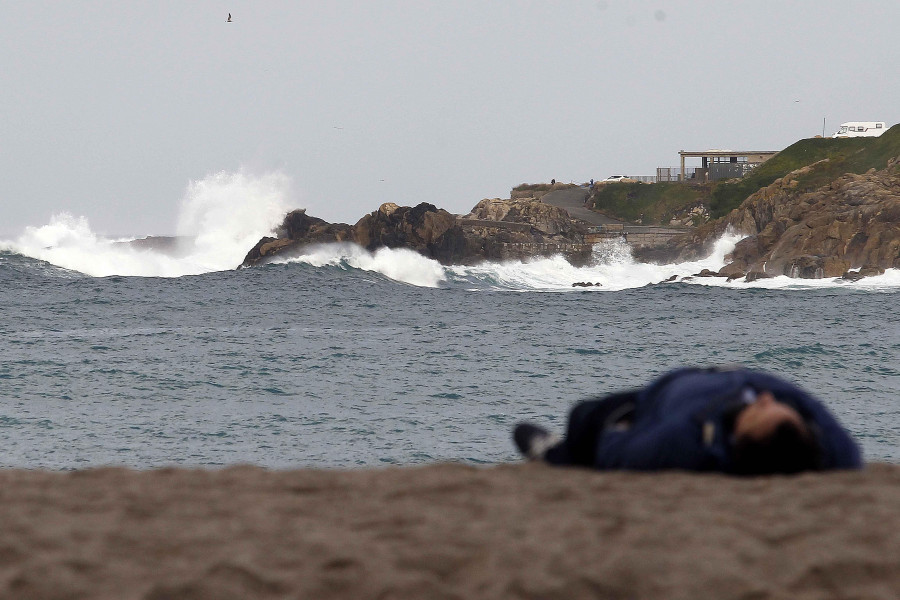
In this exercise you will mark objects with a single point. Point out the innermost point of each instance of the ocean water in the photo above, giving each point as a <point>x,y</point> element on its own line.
<point>344,358</point>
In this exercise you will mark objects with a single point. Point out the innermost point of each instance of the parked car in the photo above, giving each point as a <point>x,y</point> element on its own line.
<point>618,179</point>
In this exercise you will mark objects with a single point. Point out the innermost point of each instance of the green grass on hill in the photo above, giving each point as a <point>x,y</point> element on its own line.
<point>846,155</point>
<point>648,203</point>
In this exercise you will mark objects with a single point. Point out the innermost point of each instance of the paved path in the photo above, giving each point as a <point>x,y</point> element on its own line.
<point>572,200</point>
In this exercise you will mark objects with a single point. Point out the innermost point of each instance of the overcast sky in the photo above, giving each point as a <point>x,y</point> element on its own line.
<point>109,110</point>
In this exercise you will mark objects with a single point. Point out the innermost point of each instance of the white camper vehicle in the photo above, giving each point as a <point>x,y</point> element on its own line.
<point>860,129</point>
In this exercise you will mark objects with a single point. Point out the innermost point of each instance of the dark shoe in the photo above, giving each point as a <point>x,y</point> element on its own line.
<point>533,441</point>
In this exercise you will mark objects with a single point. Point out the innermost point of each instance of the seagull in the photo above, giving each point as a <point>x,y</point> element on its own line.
<point>229,18</point>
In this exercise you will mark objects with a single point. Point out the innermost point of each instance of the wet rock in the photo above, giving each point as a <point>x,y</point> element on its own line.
<point>731,271</point>
<point>297,230</point>
<point>708,273</point>
<point>756,275</point>
<point>495,230</point>
<point>866,271</point>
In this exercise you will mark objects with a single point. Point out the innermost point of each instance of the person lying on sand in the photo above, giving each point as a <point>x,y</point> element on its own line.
<point>731,420</point>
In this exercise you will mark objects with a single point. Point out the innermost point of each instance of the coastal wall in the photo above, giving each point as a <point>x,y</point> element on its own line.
<point>636,236</point>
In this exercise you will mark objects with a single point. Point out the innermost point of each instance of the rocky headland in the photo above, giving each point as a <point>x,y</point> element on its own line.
<point>820,208</point>
<point>495,229</point>
<point>849,227</point>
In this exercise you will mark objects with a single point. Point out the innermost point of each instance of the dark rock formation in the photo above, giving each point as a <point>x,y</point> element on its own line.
<point>433,232</point>
<point>708,273</point>
<point>297,230</point>
<point>494,230</point>
<point>852,222</point>
<point>863,272</point>
<point>754,275</point>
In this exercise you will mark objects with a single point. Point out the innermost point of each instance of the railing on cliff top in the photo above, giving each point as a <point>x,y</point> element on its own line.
<point>673,174</point>
<point>714,172</point>
<point>670,175</point>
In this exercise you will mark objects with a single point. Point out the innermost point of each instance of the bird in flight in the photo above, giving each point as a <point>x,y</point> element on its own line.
<point>229,18</point>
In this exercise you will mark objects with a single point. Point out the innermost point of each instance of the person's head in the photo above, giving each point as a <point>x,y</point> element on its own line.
<point>772,437</point>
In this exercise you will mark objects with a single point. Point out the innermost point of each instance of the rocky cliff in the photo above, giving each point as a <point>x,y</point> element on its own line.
<point>494,230</point>
<point>851,223</point>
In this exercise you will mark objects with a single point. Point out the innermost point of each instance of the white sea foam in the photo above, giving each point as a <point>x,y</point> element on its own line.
<point>398,264</point>
<point>615,269</point>
<point>221,218</point>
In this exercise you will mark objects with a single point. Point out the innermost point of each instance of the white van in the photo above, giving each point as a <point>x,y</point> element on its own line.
<point>860,129</point>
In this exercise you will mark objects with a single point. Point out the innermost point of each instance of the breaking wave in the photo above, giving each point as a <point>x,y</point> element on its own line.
<point>220,219</point>
<point>406,266</point>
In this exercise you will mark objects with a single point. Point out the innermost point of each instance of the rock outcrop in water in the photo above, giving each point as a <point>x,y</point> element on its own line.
<point>494,230</point>
<point>851,223</point>
<point>175,246</point>
<point>298,229</point>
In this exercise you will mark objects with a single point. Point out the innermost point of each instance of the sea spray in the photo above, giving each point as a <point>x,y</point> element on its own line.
<point>227,213</point>
<point>220,219</point>
<point>63,231</point>
<point>68,242</point>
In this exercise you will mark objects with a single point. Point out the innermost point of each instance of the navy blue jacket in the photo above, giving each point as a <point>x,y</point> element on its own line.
<point>680,422</point>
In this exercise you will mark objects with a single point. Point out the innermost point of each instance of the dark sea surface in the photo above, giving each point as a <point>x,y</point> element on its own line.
<point>331,365</point>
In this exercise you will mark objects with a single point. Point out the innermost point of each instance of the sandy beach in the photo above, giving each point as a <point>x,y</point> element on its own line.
<point>447,531</point>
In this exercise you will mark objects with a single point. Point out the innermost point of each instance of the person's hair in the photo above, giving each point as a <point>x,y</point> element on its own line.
<point>790,448</point>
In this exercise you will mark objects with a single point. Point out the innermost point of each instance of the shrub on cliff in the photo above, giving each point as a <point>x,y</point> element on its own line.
<point>542,187</point>
<point>645,203</point>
